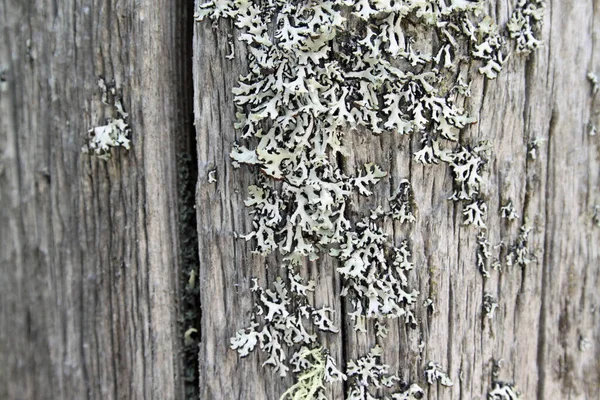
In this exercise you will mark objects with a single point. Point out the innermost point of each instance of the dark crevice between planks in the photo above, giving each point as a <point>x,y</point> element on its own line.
<point>187,176</point>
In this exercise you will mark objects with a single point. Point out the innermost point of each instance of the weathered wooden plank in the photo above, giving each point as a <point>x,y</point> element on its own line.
<point>89,255</point>
<point>545,309</point>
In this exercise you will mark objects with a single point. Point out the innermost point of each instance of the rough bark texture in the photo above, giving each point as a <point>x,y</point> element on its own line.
<point>89,253</point>
<point>544,309</point>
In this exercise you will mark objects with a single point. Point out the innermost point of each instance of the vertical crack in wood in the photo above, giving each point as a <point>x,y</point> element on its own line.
<point>187,175</point>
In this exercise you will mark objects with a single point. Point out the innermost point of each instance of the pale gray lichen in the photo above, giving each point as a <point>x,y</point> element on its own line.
<point>314,74</point>
<point>483,254</point>
<point>584,344</point>
<point>373,280</point>
<point>519,252</point>
<point>116,131</point>
<point>381,330</point>
<point>497,265</point>
<point>231,45</point>
<point>503,391</point>
<point>412,392</point>
<point>187,336</point>
<point>401,203</point>
<point>475,213</point>
<point>592,130</point>
<point>429,303</point>
<point>525,23</point>
<point>212,176</point>
<point>434,373</point>
<point>368,372</point>
<point>490,304</point>
<point>509,211</point>
<point>533,147</point>
<point>490,49</point>
<point>315,368</point>
<point>287,319</point>
<point>466,165</point>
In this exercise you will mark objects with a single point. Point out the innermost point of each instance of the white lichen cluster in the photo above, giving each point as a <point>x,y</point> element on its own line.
<point>490,48</point>
<point>319,77</point>
<point>519,253</point>
<point>483,254</point>
<point>525,23</point>
<point>503,391</point>
<point>315,369</point>
<point>368,372</point>
<point>434,373</point>
<point>287,321</point>
<point>401,203</point>
<point>381,330</point>
<point>376,281</point>
<point>116,131</point>
<point>509,211</point>
<point>466,165</point>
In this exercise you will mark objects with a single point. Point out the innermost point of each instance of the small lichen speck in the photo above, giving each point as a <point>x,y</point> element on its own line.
<point>490,304</point>
<point>212,176</point>
<point>584,344</point>
<point>428,303</point>
<point>593,78</point>
<point>596,216</point>
<point>434,372</point>
<point>533,147</point>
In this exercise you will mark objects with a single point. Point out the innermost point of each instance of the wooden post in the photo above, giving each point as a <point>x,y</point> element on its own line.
<point>89,269</point>
<point>546,310</point>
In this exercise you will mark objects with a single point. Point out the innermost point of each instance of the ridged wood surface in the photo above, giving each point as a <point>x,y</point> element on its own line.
<point>544,309</point>
<point>89,248</point>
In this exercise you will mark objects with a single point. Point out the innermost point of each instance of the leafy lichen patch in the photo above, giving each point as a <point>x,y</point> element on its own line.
<point>116,131</point>
<point>435,373</point>
<point>316,71</point>
<point>503,391</point>
<point>525,24</point>
<point>315,368</point>
<point>401,203</point>
<point>483,254</point>
<point>368,372</point>
<point>519,252</point>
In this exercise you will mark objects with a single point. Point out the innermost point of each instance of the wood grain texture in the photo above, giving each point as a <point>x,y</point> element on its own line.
<point>89,253</point>
<point>544,309</point>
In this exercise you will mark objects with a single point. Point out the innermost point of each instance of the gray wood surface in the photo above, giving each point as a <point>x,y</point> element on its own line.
<point>89,249</point>
<point>544,309</point>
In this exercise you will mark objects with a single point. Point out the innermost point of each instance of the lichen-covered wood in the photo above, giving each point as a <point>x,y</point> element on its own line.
<point>510,303</point>
<point>89,248</point>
